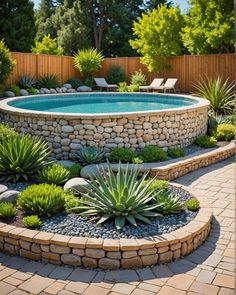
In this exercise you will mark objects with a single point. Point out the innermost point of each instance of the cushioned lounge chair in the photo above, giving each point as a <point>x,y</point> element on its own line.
<point>169,85</point>
<point>155,84</point>
<point>102,84</point>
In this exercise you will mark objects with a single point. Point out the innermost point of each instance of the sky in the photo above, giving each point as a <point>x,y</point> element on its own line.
<point>182,3</point>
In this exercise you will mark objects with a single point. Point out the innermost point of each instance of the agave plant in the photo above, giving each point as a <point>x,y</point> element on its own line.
<point>48,81</point>
<point>168,202</point>
<point>220,94</point>
<point>90,155</point>
<point>120,197</point>
<point>22,156</point>
<point>26,82</point>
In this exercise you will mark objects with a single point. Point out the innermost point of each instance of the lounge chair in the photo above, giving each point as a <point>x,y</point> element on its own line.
<point>155,84</point>
<point>102,84</point>
<point>169,85</point>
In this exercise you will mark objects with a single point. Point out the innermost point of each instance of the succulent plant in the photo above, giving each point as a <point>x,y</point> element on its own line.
<point>192,204</point>
<point>90,155</point>
<point>169,202</point>
<point>26,82</point>
<point>54,174</point>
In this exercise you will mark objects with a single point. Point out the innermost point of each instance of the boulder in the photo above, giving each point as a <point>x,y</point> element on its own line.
<point>89,170</point>
<point>84,89</point>
<point>3,188</point>
<point>63,89</point>
<point>52,90</point>
<point>9,94</point>
<point>41,91</point>
<point>37,91</point>
<point>24,92</point>
<point>45,90</point>
<point>9,196</point>
<point>71,90</point>
<point>58,90</point>
<point>66,163</point>
<point>77,184</point>
<point>67,86</point>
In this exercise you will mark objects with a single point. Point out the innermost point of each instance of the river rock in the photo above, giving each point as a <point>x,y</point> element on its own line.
<point>71,90</point>
<point>78,184</point>
<point>66,163</point>
<point>9,94</point>
<point>3,188</point>
<point>9,196</point>
<point>24,92</point>
<point>52,90</point>
<point>63,89</point>
<point>67,86</point>
<point>84,89</point>
<point>58,90</point>
<point>45,90</point>
<point>90,170</point>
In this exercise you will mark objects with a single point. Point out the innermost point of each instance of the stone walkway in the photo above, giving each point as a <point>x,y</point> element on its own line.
<point>209,270</point>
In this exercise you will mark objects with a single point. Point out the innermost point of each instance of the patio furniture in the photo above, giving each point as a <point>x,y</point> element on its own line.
<point>155,84</point>
<point>102,84</point>
<point>169,85</point>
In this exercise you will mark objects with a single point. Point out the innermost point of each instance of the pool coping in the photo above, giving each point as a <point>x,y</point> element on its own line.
<point>5,107</point>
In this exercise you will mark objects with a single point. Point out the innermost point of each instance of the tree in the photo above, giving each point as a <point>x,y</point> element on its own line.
<point>209,27</point>
<point>151,4</point>
<point>6,62</point>
<point>17,24</point>
<point>158,36</point>
<point>47,46</point>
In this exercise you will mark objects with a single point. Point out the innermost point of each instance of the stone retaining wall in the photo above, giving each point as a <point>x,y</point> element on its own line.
<point>107,253</point>
<point>67,133</point>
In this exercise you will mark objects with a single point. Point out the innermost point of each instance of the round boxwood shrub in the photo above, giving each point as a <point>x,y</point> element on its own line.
<point>152,154</point>
<point>6,63</point>
<point>176,153</point>
<point>123,155</point>
<point>115,75</point>
<point>42,199</point>
<point>224,132</point>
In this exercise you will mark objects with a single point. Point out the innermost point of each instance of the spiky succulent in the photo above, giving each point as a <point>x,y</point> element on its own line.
<point>192,204</point>
<point>169,202</point>
<point>90,155</point>
<point>54,174</point>
<point>26,82</point>
<point>120,197</point>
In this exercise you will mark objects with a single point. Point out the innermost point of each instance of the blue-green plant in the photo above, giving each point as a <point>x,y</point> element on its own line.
<point>90,155</point>
<point>169,203</point>
<point>26,82</point>
<point>48,81</point>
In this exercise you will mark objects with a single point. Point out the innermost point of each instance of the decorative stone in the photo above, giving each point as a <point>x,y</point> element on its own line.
<point>67,86</point>
<point>95,253</point>
<point>166,257</point>
<point>89,170</point>
<point>71,259</point>
<point>129,254</point>
<point>107,263</point>
<point>24,92</point>
<point>9,196</point>
<point>84,89</point>
<point>78,184</point>
<point>9,94</point>
<point>52,90</point>
<point>71,90</point>
<point>3,188</point>
<point>63,89</point>
<point>148,260</point>
<point>67,128</point>
<point>58,90</point>
<point>114,255</point>
<point>45,90</point>
<point>59,249</point>
<point>89,262</point>
<point>134,262</point>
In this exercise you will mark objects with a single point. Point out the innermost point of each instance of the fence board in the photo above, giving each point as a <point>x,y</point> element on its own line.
<point>188,68</point>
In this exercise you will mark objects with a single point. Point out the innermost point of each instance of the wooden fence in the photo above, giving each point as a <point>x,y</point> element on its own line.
<point>187,68</point>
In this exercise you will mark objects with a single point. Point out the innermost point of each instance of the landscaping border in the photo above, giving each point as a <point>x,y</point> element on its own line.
<point>107,253</point>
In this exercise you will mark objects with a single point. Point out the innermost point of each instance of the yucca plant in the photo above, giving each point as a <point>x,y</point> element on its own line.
<point>120,197</point>
<point>169,203</point>
<point>90,155</point>
<point>220,94</point>
<point>48,81</point>
<point>54,174</point>
<point>22,156</point>
<point>26,82</point>
<point>88,61</point>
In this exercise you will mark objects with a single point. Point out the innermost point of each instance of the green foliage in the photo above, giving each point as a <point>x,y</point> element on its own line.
<point>123,155</point>
<point>6,132</point>
<point>88,61</point>
<point>31,91</point>
<point>138,78</point>
<point>32,221</point>
<point>6,62</point>
<point>175,153</point>
<point>73,204</point>
<point>74,170</point>
<point>133,88</point>
<point>157,184</point>
<point>26,82</point>
<point>152,154</point>
<point>74,82</point>
<point>209,27</point>
<point>22,156</point>
<point>206,141</point>
<point>157,36</point>
<point>42,199</point>
<point>47,46</point>
<point>90,155</point>
<point>169,202</point>
<point>137,160</point>
<point>220,94</point>
<point>120,197</point>
<point>88,81</point>
<point>115,74</point>
<point>123,87</point>
<point>17,24</point>
<point>48,81</point>
<point>54,174</point>
<point>7,209</point>
<point>224,132</point>
<point>15,89</point>
<point>214,120</point>
<point>192,204</point>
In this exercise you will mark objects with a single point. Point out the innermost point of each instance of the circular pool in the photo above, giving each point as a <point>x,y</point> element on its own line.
<point>107,120</point>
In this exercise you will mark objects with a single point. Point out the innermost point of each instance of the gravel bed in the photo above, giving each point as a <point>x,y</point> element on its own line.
<point>18,186</point>
<point>75,225</point>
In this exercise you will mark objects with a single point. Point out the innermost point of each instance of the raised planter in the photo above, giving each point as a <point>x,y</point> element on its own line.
<point>107,253</point>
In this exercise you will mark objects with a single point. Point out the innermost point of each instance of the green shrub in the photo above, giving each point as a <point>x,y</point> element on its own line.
<point>7,64</point>
<point>138,78</point>
<point>119,196</point>
<point>137,160</point>
<point>88,81</point>
<point>157,184</point>
<point>31,91</point>
<point>7,209</point>
<point>74,170</point>
<point>15,89</point>
<point>6,132</point>
<point>122,87</point>
<point>90,155</point>
<point>220,94</point>
<point>224,132</point>
<point>175,153</point>
<point>206,141</point>
<point>22,156</point>
<point>54,174</point>
<point>42,199</point>
<point>124,155</point>
<point>74,82</point>
<point>73,204</point>
<point>32,221</point>
<point>88,61</point>
<point>47,46</point>
<point>48,81</point>
<point>152,154</point>
<point>26,82</point>
<point>192,204</point>
<point>115,75</point>
<point>169,202</point>
<point>133,88</point>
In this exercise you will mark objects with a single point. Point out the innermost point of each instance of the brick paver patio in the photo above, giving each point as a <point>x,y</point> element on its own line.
<point>209,270</point>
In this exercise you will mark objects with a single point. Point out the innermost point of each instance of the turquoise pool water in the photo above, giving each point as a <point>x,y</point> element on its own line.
<point>95,103</point>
